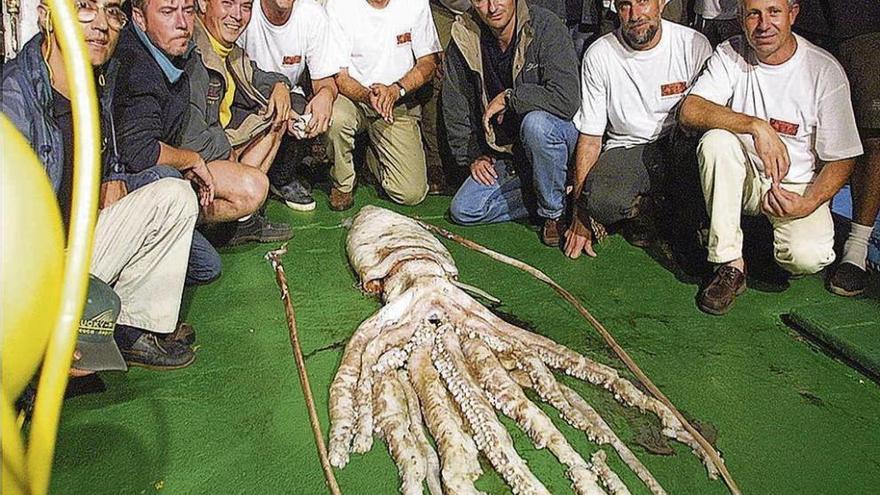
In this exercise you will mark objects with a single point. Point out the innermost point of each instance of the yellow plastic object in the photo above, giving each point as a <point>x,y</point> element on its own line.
<point>31,262</point>
<point>40,312</point>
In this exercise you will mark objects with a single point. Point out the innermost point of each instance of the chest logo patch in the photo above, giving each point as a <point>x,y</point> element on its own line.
<point>672,89</point>
<point>291,59</point>
<point>213,91</point>
<point>404,38</point>
<point>783,127</point>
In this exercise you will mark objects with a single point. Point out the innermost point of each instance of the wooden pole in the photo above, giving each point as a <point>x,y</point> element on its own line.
<point>274,257</point>
<point>609,339</point>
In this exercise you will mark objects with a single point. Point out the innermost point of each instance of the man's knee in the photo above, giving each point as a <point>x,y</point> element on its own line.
<point>176,195</point>
<point>715,140</point>
<point>408,196</point>
<point>252,189</point>
<point>536,126</point>
<point>804,258</point>
<point>605,203</point>
<point>464,212</point>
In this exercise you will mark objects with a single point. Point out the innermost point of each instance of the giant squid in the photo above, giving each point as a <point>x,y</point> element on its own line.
<point>434,362</point>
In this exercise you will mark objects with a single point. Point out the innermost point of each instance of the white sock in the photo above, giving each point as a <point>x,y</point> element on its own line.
<point>855,250</point>
<point>248,217</point>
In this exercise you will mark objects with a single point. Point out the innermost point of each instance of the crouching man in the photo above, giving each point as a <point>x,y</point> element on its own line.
<point>142,239</point>
<point>511,89</point>
<point>781,141</point>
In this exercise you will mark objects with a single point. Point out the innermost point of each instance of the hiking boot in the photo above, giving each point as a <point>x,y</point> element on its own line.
<point>151,352</point>
<point>848,280</point>
<point>550,233</point>
<point>258,229</point>
<point>718,297</point>
<point>184,334</point>
<point>295,195</point>
<point>340,201</point>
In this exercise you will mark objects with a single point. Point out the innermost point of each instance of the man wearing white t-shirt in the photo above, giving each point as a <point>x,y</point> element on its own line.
<point>286,36</point>
<point>632,81</point>
<point>390,50</point>
<point>781,142</point>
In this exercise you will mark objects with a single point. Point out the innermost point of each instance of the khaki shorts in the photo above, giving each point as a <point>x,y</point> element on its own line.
<point>860,57</point>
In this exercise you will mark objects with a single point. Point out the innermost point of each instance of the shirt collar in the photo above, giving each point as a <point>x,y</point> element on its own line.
<point>172,72</point>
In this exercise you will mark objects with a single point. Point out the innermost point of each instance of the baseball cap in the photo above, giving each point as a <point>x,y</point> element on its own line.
<point>95,340</point>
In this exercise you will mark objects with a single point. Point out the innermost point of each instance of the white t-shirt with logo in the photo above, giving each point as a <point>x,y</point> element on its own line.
<point>716,9</point>
<point>806,99</point>
<point>381,45</point>
<point>633,94</point>
<point>304,40</point>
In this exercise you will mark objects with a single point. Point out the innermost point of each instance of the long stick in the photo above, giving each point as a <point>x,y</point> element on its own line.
<point>609,339</point>
<point>274,257</point>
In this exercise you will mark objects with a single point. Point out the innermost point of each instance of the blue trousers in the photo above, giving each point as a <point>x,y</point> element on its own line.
<point>548,143</point>
<point>204,262</point>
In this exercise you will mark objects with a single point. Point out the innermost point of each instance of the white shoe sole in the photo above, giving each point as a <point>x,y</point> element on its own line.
<point>290,204</point>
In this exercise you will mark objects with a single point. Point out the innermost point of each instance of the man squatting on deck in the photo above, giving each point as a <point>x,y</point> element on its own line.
<point>206,110</point>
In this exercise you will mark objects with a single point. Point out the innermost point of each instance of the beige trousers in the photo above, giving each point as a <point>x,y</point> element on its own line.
<point>142,248</point>
<point>398,158</point>
<point>732,185</point>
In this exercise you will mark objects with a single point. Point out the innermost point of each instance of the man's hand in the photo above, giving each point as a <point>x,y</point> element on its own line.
<point>483,170</point>
<point>77,372</point>
<point>781,203</point>
<point>578,237</point>
<point>771,150</point>
<point>201,176</point>
<point>383,98</point>
<point>495,107</point>
<point>321,108</point>
<point>111,192</point>
<point>278,108</point>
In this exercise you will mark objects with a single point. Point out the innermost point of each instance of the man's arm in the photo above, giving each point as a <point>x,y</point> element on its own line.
<point>350,88</point>
<point>558,91</point>
<point>422,72</point>
<point>782,203</point>
<point>700,114</point>
<point>194,166</point>
<point>276,88</point>
<point>324,93</point>
<point>202,138</point>
<point>578,238</point>
<point>385,97</point>
<point>462,131</point>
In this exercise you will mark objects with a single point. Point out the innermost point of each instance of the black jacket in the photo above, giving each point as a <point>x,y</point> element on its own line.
<point>545,77</point>
<point>148,107</point>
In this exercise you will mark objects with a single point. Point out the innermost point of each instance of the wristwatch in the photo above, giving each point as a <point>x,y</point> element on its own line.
<point>402,89</point>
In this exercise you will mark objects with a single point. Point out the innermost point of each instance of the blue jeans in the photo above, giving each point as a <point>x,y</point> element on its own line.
<point>548,142</point>
<point>204,261</point>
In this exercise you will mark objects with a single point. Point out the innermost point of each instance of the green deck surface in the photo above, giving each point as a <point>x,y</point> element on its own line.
<point>851,332</point>
<point>790,419</point>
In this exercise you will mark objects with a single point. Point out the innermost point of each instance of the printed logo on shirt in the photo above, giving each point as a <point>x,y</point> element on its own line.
<point>291,59</point>
<point>214,92</point>
<point>673,89</point>
<point>404,38</point>
<point>783,127</point>
<point>531,66</point>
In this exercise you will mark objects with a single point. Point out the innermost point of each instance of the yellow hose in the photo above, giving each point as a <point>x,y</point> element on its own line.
<point>86,179</point>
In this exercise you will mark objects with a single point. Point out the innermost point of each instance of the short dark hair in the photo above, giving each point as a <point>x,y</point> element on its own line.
<point>139,4</point>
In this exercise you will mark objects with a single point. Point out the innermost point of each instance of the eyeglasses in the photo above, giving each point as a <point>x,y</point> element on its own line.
<point>87,11</point>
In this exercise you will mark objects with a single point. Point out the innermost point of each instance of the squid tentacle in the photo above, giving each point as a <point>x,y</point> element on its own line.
<point>509,398</point>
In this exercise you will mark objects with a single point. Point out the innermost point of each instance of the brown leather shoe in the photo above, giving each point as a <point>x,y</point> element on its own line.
<point>550,233</point>
<point>718,297</point>
<point>340,201</point>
